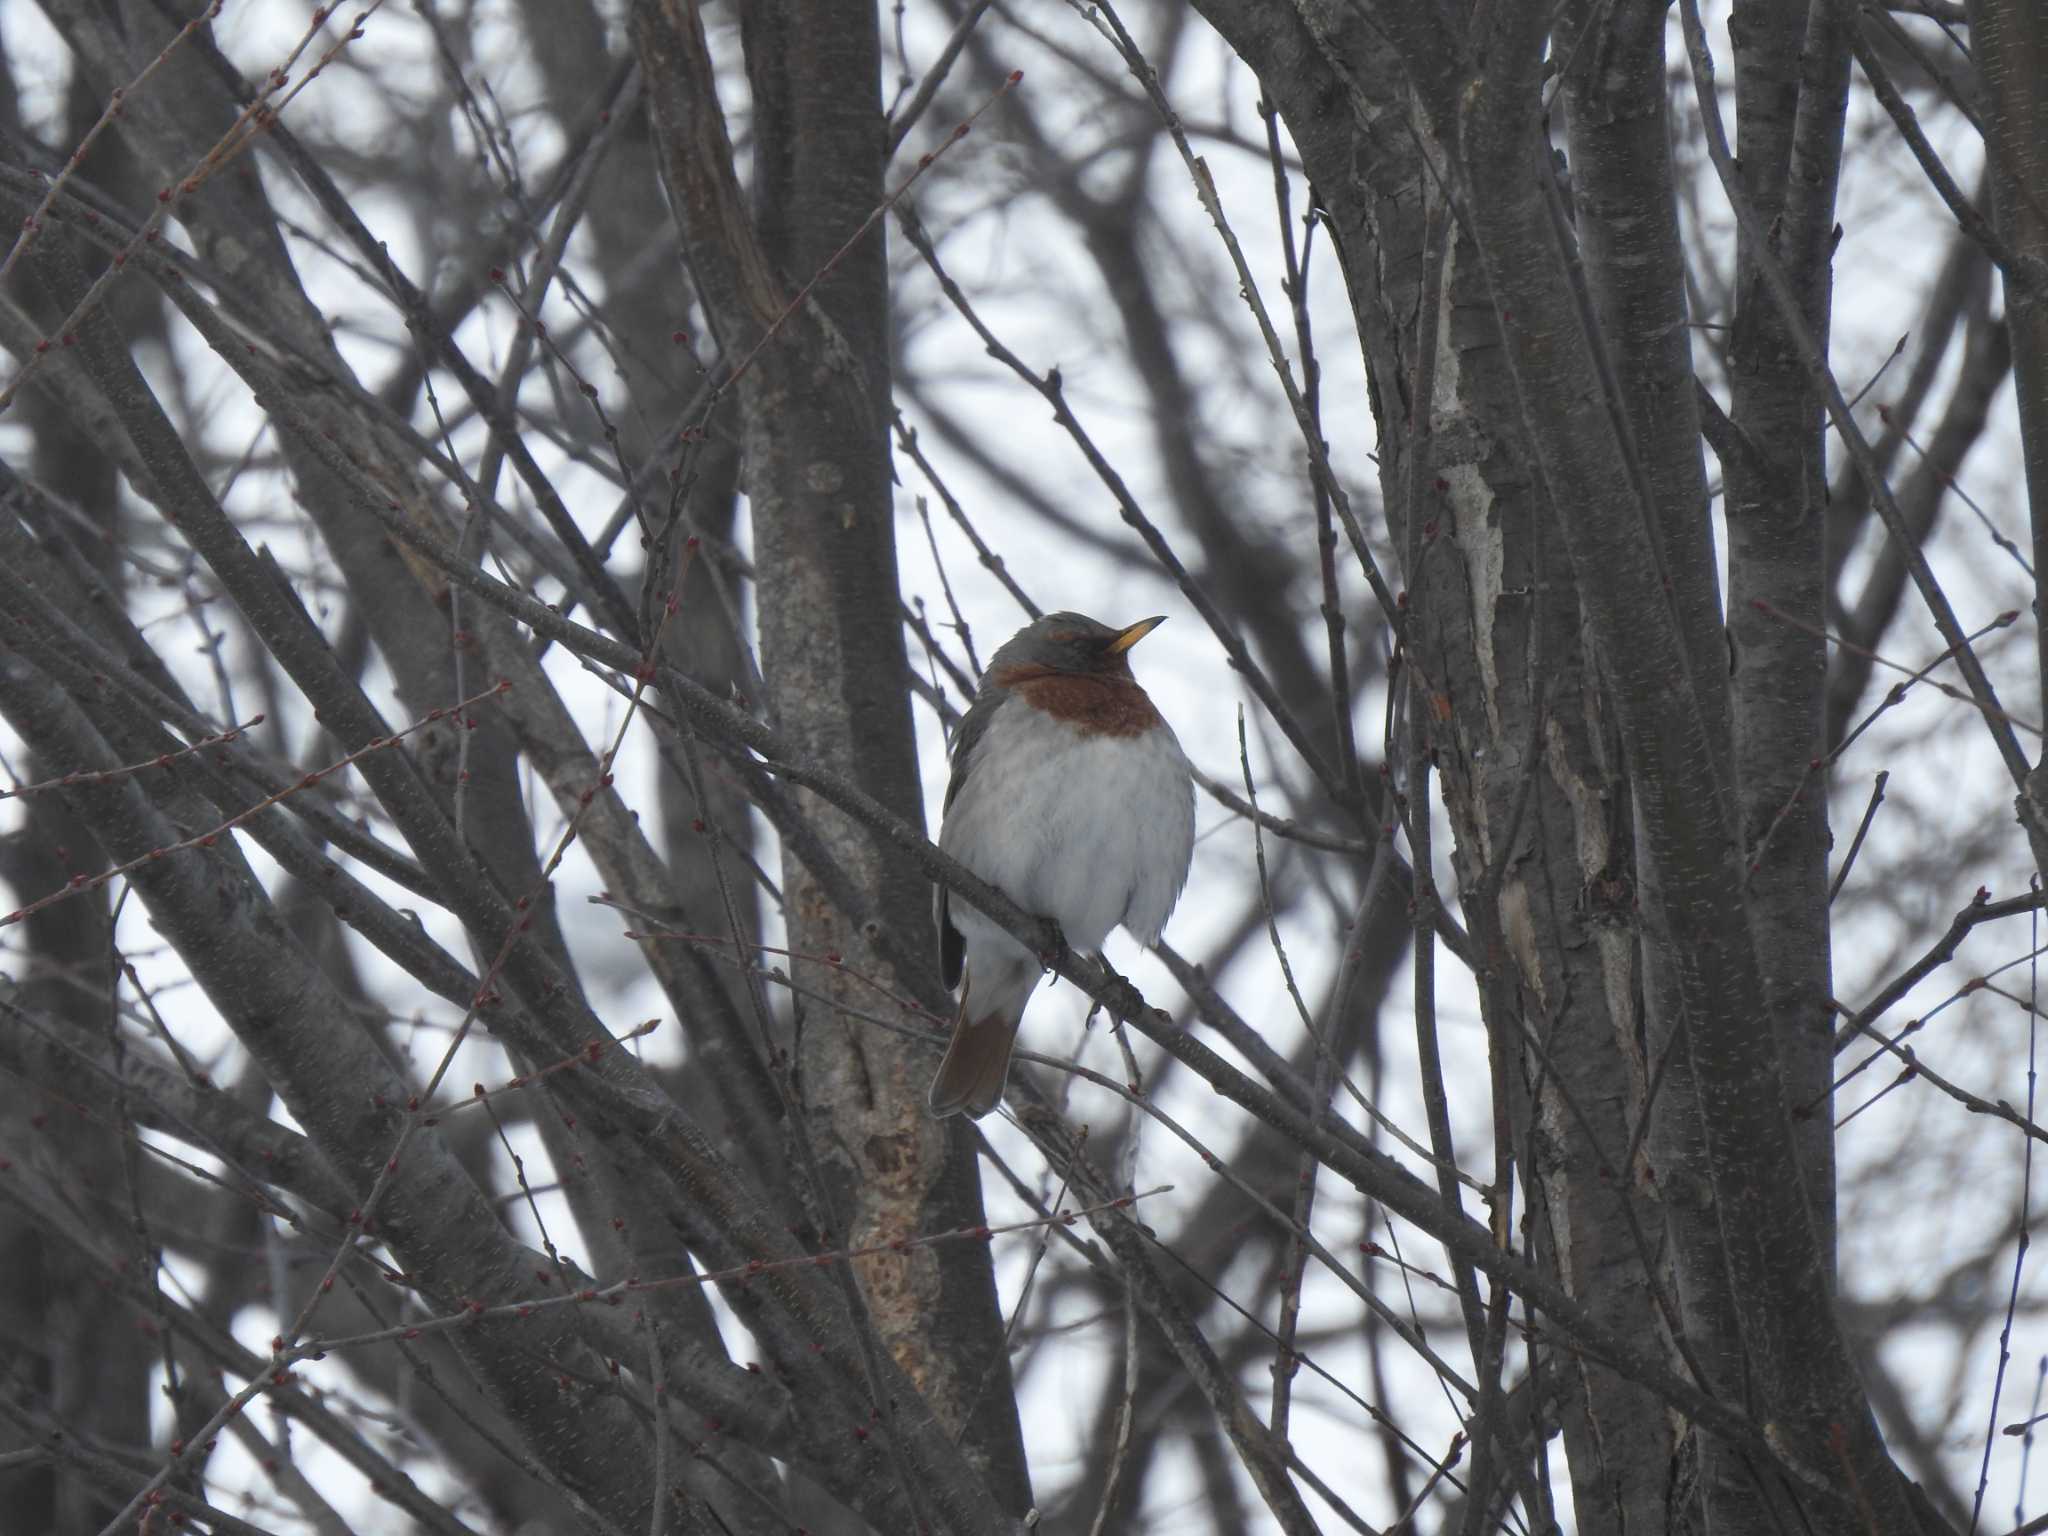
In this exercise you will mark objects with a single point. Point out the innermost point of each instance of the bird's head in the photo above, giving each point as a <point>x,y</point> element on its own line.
<point>1071,645</point>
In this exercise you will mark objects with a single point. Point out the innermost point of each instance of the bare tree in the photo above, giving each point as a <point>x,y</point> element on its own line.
<point>502,506</point>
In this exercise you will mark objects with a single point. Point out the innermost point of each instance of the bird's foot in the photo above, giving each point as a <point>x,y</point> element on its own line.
<point>1106,1002</point>
<point>1049,959</point>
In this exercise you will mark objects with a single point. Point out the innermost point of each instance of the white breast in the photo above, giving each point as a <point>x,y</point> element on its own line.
<point>1090,831</point>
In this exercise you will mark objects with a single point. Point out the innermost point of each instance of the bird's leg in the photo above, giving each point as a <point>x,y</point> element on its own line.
<point>1121,994</point>
<point>1049,960</point>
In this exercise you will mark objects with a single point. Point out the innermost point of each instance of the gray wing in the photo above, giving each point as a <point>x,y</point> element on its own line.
<point>973,726</point>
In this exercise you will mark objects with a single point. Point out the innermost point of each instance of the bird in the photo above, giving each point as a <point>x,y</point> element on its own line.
<point>1071,795</point>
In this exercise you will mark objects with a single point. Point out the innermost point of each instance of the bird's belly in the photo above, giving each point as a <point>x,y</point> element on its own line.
<point>1090,831</point>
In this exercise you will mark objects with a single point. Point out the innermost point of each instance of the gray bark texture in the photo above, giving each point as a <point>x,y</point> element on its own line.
<point>1616,800</point>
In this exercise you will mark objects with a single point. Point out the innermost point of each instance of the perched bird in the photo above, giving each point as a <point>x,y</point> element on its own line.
<point>1072,797</point>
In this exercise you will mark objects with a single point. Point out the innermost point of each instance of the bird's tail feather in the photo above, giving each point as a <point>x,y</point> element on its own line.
<point>977,1065</point>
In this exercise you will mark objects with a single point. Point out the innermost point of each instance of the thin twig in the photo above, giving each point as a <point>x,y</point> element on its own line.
<point>1862,831</point>
<point>109,775</point>
<point>905,118</point>
<point>117,100</point>
<point>80,884</point>
<point>1099,12</point>
<point>1894,696</point>
<point>1813,360</point>
<point>1120,1448</point>
<point>2026,273</point>
<point>253,118</point>
<point>2019,1258</point>
<point>906,440</point>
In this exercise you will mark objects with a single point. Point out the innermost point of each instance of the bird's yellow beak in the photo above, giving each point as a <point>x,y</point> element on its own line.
<point>1138,631</point>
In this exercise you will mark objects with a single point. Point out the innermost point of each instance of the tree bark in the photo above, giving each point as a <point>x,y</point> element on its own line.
<point>812,378</point>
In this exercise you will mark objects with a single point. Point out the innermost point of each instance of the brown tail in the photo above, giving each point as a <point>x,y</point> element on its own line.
<point>977,1065</point>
